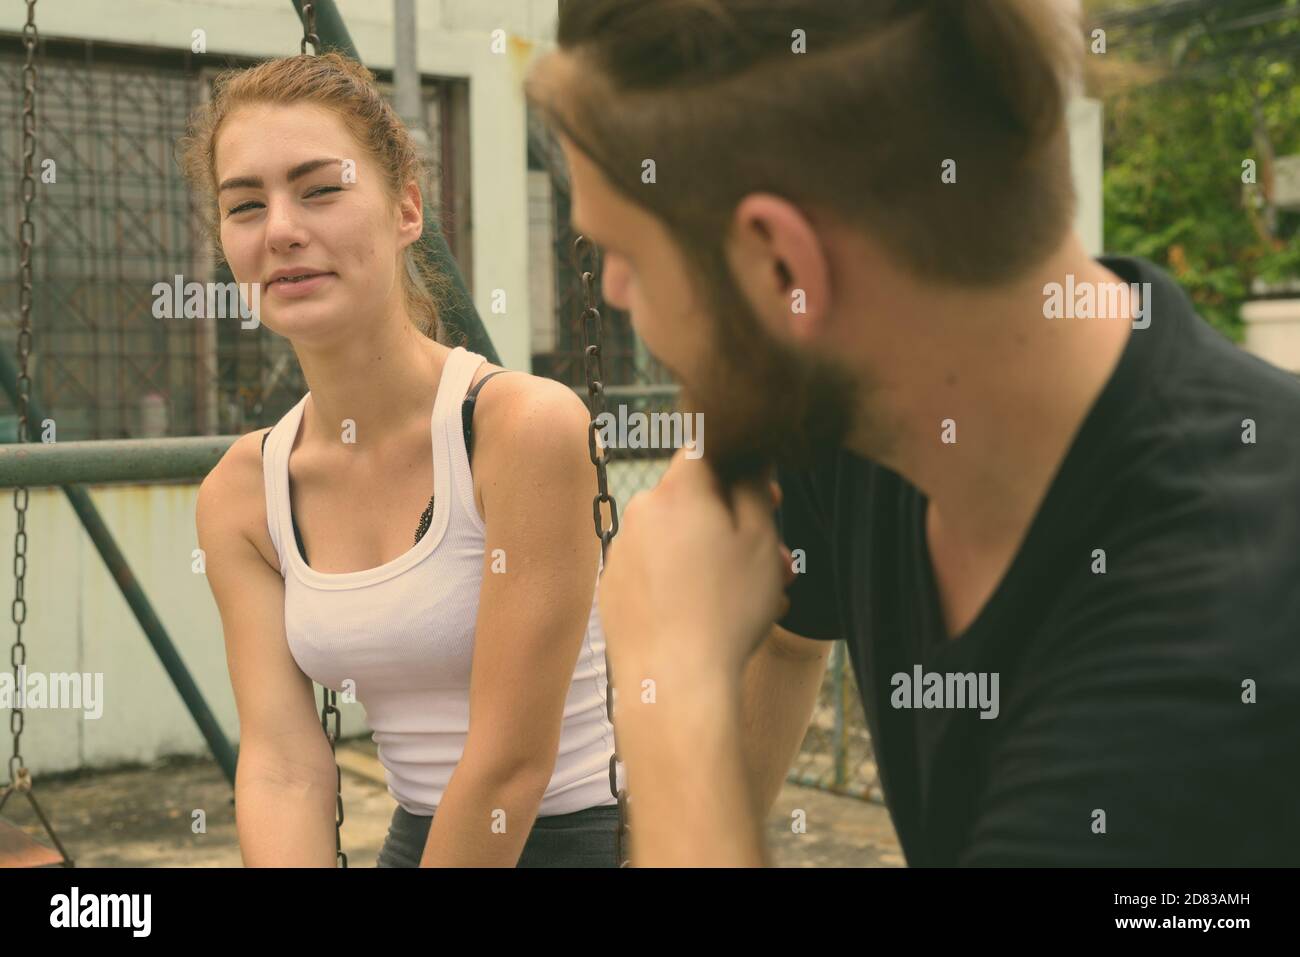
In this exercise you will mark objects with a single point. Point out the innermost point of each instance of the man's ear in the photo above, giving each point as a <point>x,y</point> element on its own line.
<point>780,266</point>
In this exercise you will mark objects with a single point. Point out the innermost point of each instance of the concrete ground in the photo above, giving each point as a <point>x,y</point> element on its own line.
<point>142,818</point>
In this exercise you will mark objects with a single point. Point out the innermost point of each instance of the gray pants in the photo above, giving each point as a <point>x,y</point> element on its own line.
<point>586,838</point>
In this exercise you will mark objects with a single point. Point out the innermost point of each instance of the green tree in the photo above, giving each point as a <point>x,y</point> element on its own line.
<point>1192,92</point>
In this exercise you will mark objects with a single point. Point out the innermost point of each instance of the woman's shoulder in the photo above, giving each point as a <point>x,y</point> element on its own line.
<point>232,498</point>
<point>525,423</point>
<point>521,397</point>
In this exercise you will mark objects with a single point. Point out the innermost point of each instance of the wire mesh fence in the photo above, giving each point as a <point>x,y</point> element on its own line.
<point>115,219</point>
<point>837,754</point>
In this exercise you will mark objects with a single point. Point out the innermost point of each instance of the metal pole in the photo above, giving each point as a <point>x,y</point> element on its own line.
<point>457,309</point>
<point>406,72</point>
<point>37,464</point>
<point>839,744</point>
<point>135,597</point>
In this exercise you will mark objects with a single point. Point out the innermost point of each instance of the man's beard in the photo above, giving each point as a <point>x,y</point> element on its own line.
<point>763,403</point>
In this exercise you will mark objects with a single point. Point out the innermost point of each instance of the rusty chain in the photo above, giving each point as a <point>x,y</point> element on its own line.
<point>329,697</point>
<point>309,30</point>
<point>591,343</point>
<point>18,773</point>
<point>20,776</point>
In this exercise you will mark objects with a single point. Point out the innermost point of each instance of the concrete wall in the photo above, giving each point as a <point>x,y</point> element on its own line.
<point>541,256</point>
<point>77,621</point>
<point>1273,331</point>
<point>1086,162</point>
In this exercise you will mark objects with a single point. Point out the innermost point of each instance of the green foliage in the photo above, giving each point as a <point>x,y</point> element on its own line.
<point>1173,183</point>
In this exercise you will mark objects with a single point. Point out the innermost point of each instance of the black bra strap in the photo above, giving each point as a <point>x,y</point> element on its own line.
<point>467,423</point>
<point>467,410</point>
<point>297,535</point>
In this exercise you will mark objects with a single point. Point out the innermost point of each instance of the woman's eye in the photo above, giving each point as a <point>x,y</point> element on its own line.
<point>311,193</point>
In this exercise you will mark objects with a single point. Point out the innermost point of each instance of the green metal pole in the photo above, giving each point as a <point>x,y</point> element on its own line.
<point>135,597</point>
<point>37,464</point>
<point>839,746</point>
<point>456,310</point>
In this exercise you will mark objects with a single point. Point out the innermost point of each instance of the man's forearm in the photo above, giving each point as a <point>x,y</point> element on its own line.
<point>680,740</point>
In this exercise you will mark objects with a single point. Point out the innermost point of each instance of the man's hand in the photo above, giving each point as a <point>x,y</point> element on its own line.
<point>692,579</point>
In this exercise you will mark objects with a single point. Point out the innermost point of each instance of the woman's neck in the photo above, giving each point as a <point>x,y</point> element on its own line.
<point>365,389</point>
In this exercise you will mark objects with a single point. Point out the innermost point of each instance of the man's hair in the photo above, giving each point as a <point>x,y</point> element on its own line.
<point>858,127</point>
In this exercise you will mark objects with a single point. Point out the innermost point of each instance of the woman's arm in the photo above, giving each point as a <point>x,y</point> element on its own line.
<point>539,578</point>
<point>778,694</point>
<point>285,782</point>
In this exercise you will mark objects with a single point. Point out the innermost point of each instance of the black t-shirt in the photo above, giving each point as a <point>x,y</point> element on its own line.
<point>1125,731</point>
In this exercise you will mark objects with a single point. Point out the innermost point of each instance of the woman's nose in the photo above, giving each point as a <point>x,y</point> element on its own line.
<point>282,226</point>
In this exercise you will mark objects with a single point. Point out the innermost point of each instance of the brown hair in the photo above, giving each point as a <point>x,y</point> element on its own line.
<point>858,126</point>
<point>346,87</point>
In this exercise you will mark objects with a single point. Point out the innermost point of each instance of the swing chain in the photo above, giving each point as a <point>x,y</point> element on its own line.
<point>309,30</point>
<point>18,774</point>
<point>330,709</point>
<point>329,697</point>
<point>592,342</point>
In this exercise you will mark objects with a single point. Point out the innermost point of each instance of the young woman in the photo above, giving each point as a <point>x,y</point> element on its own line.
<point>352,544</point>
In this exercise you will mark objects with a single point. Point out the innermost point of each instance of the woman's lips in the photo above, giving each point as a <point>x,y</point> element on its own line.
<point>299,289</point>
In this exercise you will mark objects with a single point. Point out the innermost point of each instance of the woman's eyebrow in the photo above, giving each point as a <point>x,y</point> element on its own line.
<point>255,182</point>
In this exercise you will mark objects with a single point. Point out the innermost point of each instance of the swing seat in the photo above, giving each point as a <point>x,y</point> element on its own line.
<point>18,849</point>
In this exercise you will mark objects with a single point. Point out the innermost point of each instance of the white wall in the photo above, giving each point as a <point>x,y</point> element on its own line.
<point>541,254</point>
<point>1086,161</point>
<point>77,621</point>
<point>1273,331</point>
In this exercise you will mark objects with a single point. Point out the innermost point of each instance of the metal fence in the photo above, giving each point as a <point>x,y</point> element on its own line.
<point>116,219</point>
<point>836,754</point>
<point>635,380</point>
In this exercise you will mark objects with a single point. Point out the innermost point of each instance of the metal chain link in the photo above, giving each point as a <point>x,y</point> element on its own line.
<point>309,30</point>
<point>329,697</point>
<point>20,777</point>
<point>591,343</point>
<point>18,774</point>
<point>329,707</point>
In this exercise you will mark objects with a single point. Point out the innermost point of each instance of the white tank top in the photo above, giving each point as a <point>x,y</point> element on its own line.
<point>404,632</point>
